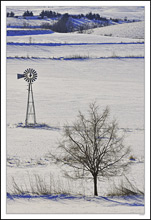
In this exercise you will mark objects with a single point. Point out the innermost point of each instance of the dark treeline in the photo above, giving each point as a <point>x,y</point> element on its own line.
<point>53,14</point>
<point>28,13</point>
<point>49,14</point>
<point>91,16</point>
<point>10,14</point>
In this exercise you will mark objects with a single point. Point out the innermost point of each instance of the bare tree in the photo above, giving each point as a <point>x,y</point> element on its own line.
<point>93,146</point>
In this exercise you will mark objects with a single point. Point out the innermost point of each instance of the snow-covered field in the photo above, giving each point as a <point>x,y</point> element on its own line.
<point>64,86</point>
<point>134,30</point>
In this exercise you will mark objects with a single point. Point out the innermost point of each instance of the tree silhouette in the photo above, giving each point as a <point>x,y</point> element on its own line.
<point>93,147</point>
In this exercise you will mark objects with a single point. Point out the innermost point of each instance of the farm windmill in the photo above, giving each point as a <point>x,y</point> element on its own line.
<point>29,75</point>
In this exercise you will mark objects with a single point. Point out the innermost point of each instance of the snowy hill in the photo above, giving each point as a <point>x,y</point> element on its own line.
<point>128,30</point>
<point>28,22</point>
<point>70,20</point>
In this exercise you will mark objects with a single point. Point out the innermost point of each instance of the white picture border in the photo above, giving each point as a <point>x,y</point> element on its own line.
<point>4,4</point>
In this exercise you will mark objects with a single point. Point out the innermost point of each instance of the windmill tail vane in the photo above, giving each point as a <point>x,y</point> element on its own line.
<point>29,75</point>
<point>19,76</point>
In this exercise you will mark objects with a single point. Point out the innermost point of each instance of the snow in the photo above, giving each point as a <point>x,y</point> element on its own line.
<point>62,89</point>
<point>62,206</point>
<point>128,30</point>
<point>71,50</point>
<point>20,32</point>
<point>22,22</point>
<point>83,86</point>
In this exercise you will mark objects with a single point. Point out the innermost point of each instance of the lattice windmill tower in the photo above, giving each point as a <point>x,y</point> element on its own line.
<point>29,75</point>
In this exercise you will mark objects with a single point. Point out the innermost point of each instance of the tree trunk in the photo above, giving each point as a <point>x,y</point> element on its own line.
<point>95,185</point>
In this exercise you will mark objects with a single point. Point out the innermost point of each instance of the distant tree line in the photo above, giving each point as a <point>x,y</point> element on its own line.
<point>91,16</point>
<point>49,14</point>
<point>65,24</point>
<point>115,19</point>
<point>53,14</point>
<point>28,13</point>
<point>10,14</point>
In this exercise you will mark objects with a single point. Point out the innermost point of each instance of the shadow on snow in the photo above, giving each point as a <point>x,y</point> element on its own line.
<point>67,44</point>
<point>35,126</point>
<point>136,200</point>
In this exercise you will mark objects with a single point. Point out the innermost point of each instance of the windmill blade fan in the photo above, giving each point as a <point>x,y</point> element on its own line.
<point>30,75</point>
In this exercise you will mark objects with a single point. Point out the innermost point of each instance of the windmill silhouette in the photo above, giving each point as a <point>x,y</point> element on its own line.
<point>29,75</point>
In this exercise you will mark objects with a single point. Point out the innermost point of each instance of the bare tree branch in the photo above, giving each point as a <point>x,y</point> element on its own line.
<point>93,146</point>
